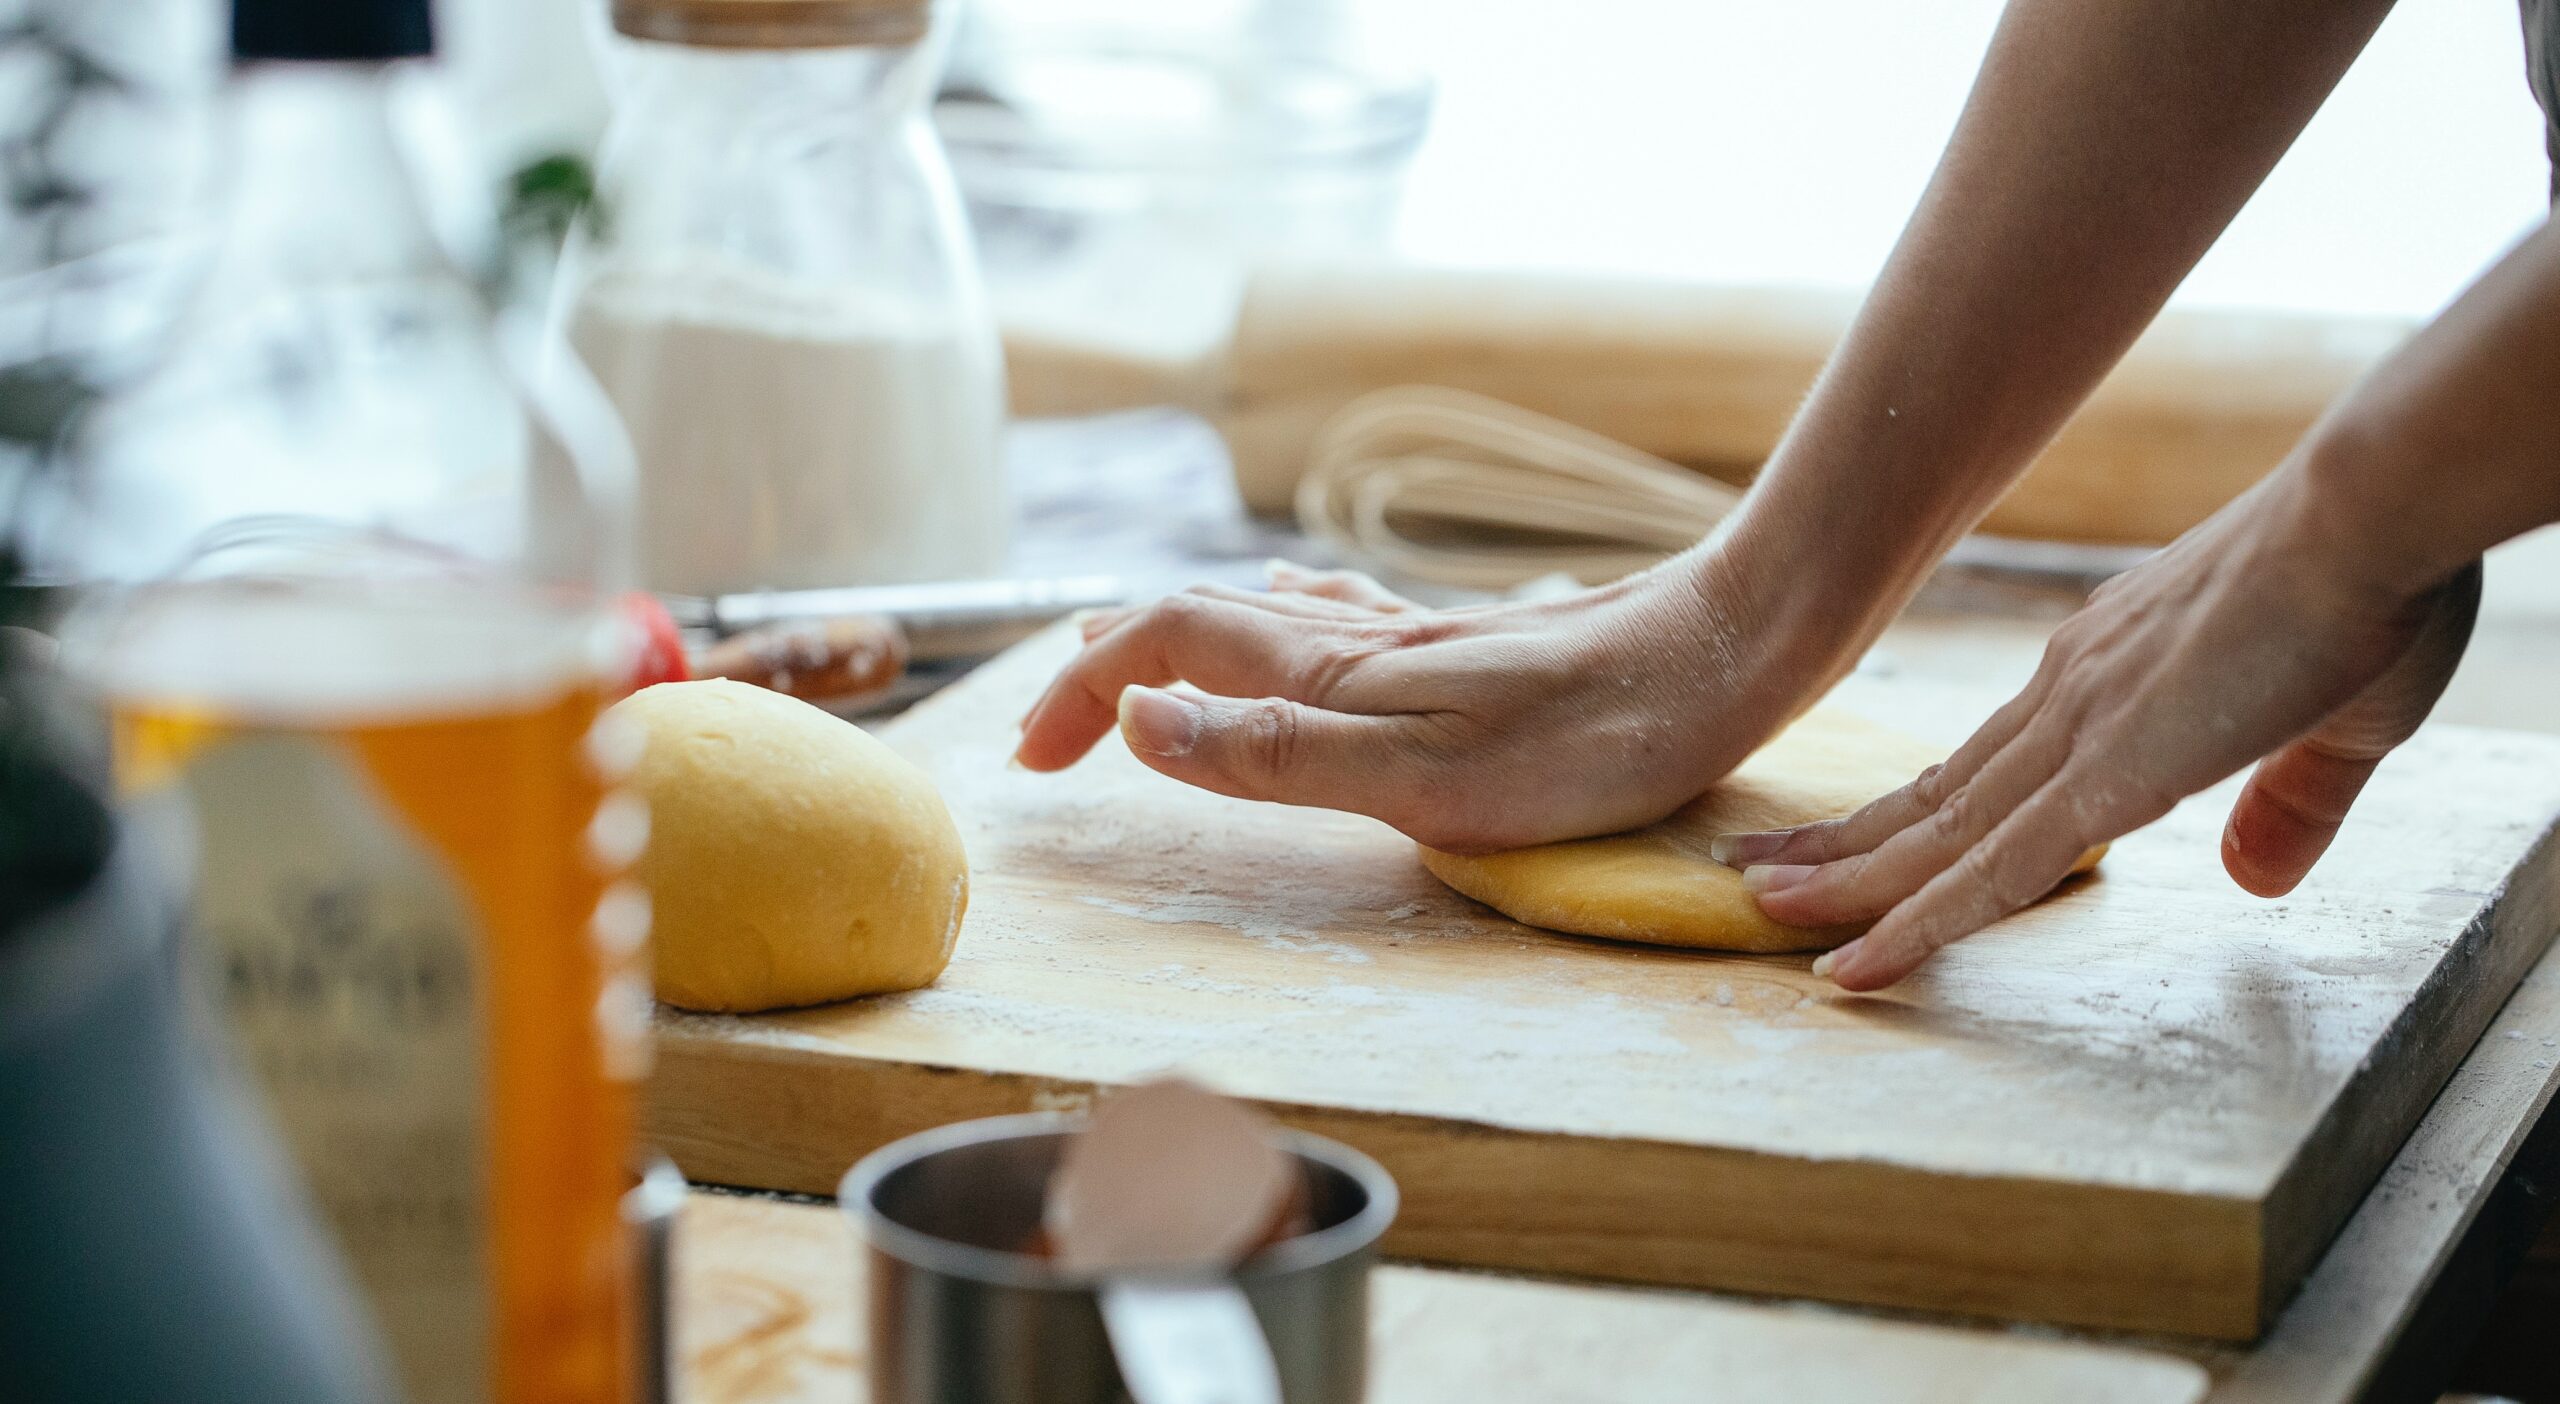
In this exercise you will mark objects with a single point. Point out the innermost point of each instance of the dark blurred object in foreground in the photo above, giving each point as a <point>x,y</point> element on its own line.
<point>152,1249</point>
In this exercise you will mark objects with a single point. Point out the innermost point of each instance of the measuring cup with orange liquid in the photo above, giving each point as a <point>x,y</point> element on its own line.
<point>350,613</point>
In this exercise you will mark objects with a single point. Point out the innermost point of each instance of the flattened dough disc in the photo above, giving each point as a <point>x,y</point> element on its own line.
<point>1657,884</point>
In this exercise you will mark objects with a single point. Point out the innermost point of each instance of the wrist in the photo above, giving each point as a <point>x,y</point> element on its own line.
<point>1818,575</point>
<point>2348,493</point>
<point>1779,614</point>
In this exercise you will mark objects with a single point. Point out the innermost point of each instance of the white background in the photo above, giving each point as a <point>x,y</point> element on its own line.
<point>1753,141</point>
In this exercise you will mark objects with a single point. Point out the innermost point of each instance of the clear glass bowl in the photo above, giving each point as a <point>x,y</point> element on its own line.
<point>1122,172</point>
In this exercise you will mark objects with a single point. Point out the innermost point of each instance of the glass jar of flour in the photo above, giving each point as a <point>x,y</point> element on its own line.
<point>775,286</point>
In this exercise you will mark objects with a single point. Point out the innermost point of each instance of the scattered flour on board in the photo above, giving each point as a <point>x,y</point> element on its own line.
<point>1597,1025</point>
<point>1210,909</point>
<point>1771,1038</point>
<point>1244,1035</point>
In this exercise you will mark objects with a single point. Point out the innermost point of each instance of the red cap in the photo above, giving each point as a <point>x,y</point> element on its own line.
<point>660,657</point>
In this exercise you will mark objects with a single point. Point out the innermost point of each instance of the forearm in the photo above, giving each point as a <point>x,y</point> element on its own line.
<point>2453,444</point>
<point>2105,146</point>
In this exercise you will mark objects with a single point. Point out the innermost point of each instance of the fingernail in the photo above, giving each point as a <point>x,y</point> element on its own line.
<point>1277,570</point>
<point>1742,850</point>
<point>1829,961</point>
<point>1158,722</point>
<point>1774,877</point>
<point>1014,762</point>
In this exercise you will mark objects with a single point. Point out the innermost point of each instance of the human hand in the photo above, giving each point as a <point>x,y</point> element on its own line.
<point>2260,636</point>
<point>1468,729</point>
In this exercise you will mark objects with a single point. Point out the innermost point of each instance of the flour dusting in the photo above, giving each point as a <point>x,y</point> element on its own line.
<point>1206,908</point>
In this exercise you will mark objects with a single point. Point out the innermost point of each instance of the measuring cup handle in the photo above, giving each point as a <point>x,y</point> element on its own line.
<point>1188,1343</point>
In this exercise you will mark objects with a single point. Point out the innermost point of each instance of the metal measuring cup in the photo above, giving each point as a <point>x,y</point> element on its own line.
<point>961,1312</point>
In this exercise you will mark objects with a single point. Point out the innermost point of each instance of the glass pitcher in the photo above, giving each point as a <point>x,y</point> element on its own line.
<point>776,288</point>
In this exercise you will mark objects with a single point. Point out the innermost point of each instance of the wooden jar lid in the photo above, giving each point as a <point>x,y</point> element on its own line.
<point>774,24</point>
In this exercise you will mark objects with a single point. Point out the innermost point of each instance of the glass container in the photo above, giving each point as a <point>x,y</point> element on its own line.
<point>776,288</point>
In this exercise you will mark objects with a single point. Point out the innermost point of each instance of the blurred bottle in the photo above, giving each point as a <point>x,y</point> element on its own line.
<point>776,288</point>
<point>355,634</point>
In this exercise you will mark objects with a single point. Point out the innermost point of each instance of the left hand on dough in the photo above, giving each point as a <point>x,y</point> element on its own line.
<point>2256,637</point>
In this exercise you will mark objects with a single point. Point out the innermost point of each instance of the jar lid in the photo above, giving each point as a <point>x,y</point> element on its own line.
<point>774,24</point>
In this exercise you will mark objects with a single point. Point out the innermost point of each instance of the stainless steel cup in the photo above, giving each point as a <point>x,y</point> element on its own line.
<point>961,1314</point>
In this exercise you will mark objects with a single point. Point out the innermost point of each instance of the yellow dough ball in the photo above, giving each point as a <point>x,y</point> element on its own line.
<point>793,858</point>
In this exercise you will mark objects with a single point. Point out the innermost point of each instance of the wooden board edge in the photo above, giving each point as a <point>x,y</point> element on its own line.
<point>2437,1029</point>
<point>2388,1306</point>
<point>1848,1231</point>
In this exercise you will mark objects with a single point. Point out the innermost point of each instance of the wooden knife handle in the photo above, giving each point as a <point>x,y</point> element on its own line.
<point>817,660</point>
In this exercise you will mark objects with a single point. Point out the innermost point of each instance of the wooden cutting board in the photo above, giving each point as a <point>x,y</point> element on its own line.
<point>2147,1103</point>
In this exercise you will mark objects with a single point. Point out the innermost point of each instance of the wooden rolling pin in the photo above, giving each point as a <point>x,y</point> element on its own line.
<point>1708,377</point>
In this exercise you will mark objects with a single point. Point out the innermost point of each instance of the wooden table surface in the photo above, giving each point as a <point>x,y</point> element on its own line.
<point>2145,1105</point>
<point>767,1286</point>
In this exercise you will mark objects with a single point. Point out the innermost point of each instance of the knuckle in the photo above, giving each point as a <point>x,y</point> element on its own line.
<point>1324,671</point>
<point>1271,738</point>
<point>1179,615</point>
<point>1926,794</point>
<point>1955,815</point>
<point>2071,640</point>
<point>1415,628</point>
<point>2074,695</point>
<point>2054,664</point>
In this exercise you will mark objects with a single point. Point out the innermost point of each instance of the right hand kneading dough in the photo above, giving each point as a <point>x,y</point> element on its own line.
<point>1658,884</point>
<point>793,859</point>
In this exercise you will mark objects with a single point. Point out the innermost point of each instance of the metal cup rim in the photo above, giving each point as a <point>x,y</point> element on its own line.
<point>997,1267</point>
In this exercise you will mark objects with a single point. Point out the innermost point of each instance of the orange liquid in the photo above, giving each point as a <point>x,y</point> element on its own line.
<point>503,792</point>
